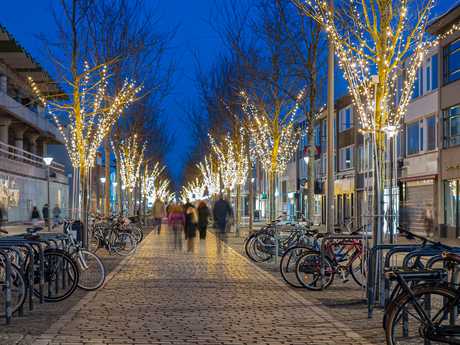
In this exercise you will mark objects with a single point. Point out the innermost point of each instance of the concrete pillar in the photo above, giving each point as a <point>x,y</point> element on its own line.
<point>3,84</point>
<point>19,136</point>
<point>32,140</point>
<point>5,123</point>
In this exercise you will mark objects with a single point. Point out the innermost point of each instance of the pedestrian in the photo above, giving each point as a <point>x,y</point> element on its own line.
<point>176,220</point>
<point>168,209</point>
<point>191,221</point>
<point>45,214</point>
<point>221,209</point>
<point>428,218</point>
<point>56,214</point>
<point>158,212</point>
<point>185,207</point>
<point>35,216</point>
<point>203,215</point>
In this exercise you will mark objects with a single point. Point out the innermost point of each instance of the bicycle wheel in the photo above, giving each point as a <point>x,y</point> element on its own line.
<point>287,264</point>
<point>262,247</point>
<point>61,276</point>
<point>308,270</point>
<point>432,300</point>
<point>124,244</point>
<point>95,244</point>
<point>90,268</point>
<point>18,289</point>
<point>137,233</point>
<point>358,267</point>
<point>247,244</point>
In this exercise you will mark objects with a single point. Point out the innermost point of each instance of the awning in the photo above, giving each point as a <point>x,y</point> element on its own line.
<point>418,178</point>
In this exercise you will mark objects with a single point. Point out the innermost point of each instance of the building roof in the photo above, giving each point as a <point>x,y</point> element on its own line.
<point>444,23</point>
<point>17,59</point>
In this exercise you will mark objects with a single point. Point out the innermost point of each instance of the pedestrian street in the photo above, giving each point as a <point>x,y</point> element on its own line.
<point>161,296</point>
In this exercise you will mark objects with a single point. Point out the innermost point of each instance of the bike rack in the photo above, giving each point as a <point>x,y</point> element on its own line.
<point>8,285</point>
<point>277,231</point>
<point>323,244</point>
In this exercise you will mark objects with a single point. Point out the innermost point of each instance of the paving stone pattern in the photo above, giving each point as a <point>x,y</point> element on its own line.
<point>161,296</point>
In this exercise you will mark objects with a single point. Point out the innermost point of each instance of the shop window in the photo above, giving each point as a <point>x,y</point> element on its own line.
<point>451,203</point>
<point>365,162</point>
<point>452,126</point>
<point>451,68</point>
<point>317,208</point>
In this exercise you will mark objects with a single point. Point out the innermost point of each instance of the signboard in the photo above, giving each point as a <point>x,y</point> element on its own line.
<point>263,196</point>
<point>303,182</point>
<point>315,151</point>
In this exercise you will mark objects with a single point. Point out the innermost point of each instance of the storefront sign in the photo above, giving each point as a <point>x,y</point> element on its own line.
<point>453,167</point>
<point>315,151</point>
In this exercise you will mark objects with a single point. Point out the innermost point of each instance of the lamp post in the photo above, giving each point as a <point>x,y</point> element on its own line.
<point>103,201</point>
<point>48,161</point>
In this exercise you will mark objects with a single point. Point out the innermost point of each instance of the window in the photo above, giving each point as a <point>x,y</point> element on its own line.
<point>451,68</point>
<point>431,133</point>
<point>346,158</point>
<point>365,162</point>
<point>346,118</point>
<point>317,168</point>
<point>426,77</point>
<point>324,163</point>
<point>317,136</point>
<point>325,130</point>
<point>452,126</point>
<point>450,205</point>
<point>415,137</point>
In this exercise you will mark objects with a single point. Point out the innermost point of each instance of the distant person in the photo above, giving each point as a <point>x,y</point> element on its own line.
<point>203,215</point>
<point>191,221</point>
<point>35,216</point>
<point>221,209</point>
<point>158,212</point>
<point>45,213</point>
<point>176,220</point>
<point>56,214</point>
<point>187,205</point>
<point>428,218</point>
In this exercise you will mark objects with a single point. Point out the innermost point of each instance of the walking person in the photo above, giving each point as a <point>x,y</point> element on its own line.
<point>56,214</point>
<point>191,221</point>
<point>176,220</point>
<point>203,214</point>
<point>45,213</point>
<point>158,212</point>
<point>187,205</point>
<point>35,216</point>
<point>221,209</point>
<point>428,218</point>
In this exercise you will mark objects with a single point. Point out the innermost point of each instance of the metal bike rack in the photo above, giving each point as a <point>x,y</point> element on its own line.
<point>277,231</point>
<point>323,245</point>
<point>8,285</point>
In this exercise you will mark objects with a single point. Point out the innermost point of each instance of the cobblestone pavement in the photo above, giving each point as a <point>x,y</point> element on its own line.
<point>24,330</point>
<point>161,296</point>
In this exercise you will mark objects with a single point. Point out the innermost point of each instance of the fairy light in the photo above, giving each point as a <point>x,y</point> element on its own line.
<point>359,56</point>
<point>91,112</point>
<point>211,175</point>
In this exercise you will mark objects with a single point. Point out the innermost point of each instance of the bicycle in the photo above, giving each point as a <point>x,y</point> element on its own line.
<point>308,270</point>
<point>122,243</point>
<point>427,311</point>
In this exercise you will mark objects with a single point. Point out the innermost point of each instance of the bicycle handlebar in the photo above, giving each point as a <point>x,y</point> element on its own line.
<point>410,236</point>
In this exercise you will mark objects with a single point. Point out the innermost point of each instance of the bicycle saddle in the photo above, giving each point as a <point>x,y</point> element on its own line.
<point>451,257</point>
<point>321,234</point>
<point>3,231</point>
<point>338,230</point>
<point>34,230</point>
<point>33,237</point>
<point>311,232</point>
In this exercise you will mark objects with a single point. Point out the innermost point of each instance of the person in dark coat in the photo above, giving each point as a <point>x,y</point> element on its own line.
<point>187,205</point>
<point>176,219</point>
<point>221,209</point>
<point>45,214</point>
<point>35,216</point>
<point>191,221</point>
<point>203,214</point>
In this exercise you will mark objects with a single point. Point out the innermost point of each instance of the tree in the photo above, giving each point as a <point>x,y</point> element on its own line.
<point>378,36</point>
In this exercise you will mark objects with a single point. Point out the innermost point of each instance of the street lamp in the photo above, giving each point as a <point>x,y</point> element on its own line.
<point>48,161</point>
<point>103,201</point>
<point>114,184</point>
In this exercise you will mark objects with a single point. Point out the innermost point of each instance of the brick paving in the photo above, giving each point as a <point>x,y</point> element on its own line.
<point>161,296</point>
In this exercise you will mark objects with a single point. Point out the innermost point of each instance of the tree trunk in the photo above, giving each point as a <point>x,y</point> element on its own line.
<point>311,170</point>
<point>128,207</point>
<point>135,199</point>
<point>272,208</point>
<point>107,177</point>
<point>238,214</point>
<point>84,205</point>
<point>251,191</point>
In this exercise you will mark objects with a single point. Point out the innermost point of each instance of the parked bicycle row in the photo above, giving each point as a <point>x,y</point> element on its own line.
<point>420,298</point>
<point>52,265</point>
